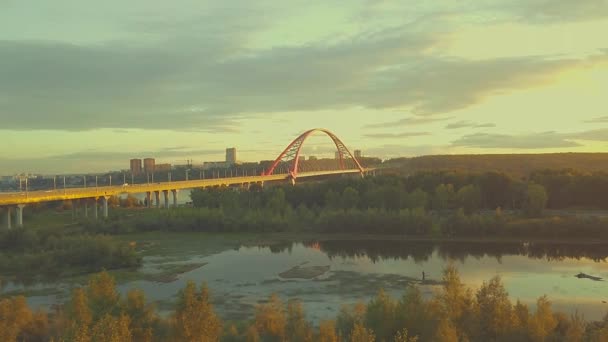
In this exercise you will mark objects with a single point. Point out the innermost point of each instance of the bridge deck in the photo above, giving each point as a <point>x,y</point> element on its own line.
<point>14,198</point>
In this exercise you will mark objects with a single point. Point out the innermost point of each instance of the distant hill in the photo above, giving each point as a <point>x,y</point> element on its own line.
<point>514,164</point>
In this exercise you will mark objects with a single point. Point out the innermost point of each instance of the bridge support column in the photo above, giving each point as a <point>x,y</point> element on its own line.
<point>104,201</point>
<point>148,199</point>
<point>9,212</point>
<point>19,214</point>
<point>166,196</point>
<point>174,192</point>
<point>95,210</point>
<point>74,209</point>
<point>157,198</point>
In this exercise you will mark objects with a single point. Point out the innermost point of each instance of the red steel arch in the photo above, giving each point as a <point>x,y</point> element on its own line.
<point>293,151</point>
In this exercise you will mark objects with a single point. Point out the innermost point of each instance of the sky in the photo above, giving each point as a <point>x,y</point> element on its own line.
<point>87,85</point>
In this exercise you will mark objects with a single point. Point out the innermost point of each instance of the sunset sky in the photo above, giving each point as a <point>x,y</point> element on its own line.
<point>85,86</point>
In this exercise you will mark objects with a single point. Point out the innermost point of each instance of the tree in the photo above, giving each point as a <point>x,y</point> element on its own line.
<point>495,310</point>
<point>469,198</point>
<point>543,322</point>
<point>536,200</point>
<point>270,320</point>
<point>403,336</point>
<point>446,332</point>
<point>252,334</point>
<point>143,318</point>
<point>361,334</point>
<point>297,329</point>
<point>350,198</point>
<point>112,329</point>
<point>495,189</point>
<point>332,199</point>
<point>194,318</point>
<point>380,316</point>
<point>327,332</point>
<point>348,318</point>
<point>456,303</point>
<point>102,295</point>
<point>14,318</point>
<point>414,315</point>
<point>79,317</point>
<point>417,199</point>
<point>444,196</point>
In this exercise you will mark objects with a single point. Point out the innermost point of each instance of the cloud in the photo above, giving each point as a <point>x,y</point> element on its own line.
<point>530,141</point>
<point>547,11</point>
<point>172,87</point>
<point>410,121</point>
<point>201,74</point>
<point>396,135</point>
<point>468,124</point>
<point>603,119</point>
<point>397,150</point>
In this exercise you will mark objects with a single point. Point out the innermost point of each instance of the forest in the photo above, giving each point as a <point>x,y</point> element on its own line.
<point>516,165</point>
<point>97,312</point>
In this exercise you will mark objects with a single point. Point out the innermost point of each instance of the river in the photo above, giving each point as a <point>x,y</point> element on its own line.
<point>327,274</point>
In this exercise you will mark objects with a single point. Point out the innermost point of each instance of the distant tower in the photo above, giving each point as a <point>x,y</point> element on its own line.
<point>231,156</point>
<point>358,154</point>
<point>149,165</point>
<point>135,166</point>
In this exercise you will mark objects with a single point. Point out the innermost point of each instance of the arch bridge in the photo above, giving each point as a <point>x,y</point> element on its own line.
<point>287,166</point>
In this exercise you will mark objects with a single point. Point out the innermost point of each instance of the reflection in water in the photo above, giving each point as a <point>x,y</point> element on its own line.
<point>354,270</point>
<point>422,251</point>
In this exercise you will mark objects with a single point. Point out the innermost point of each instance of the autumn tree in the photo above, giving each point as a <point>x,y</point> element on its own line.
<point>380,316</point>
<point>78,318</point>
<point>404,336</point>
<point>445,332</point>
<point>112,329</point>
<point>543,322</point>
<point>348,318</point>
<point>456,304</point>
<point>495,310</point>
<point>270,320</point>
<point>414,314</point>
<point>327,332</point>
<point>103,299</point>
<point>142,316</point>
<point>297,328</point>
<point>14,318</point>
<point>194,318</point>
<point>361,334</point>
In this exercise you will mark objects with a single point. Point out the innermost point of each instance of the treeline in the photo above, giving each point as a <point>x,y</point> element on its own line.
<point>430,203</point>
<point>99,313</point>
<point>517,165</point>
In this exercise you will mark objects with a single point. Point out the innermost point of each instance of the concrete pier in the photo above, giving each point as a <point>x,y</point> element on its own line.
<point>20,215</point>
<point>166,196</point>
<point>9,212</point>
<point>104,201</point>
<point>174,192</point>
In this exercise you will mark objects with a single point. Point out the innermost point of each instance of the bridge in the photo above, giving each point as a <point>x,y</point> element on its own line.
<point>288,160</point>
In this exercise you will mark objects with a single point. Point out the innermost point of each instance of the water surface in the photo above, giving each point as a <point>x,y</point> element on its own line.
<point>344,272</point>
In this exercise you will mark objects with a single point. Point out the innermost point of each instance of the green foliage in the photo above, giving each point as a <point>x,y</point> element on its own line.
<point>536,200</point>
<point>29,252</point>
<point>469,198</point>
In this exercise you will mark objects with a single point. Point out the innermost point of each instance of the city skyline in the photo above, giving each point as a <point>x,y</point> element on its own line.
<point>86,88</point>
